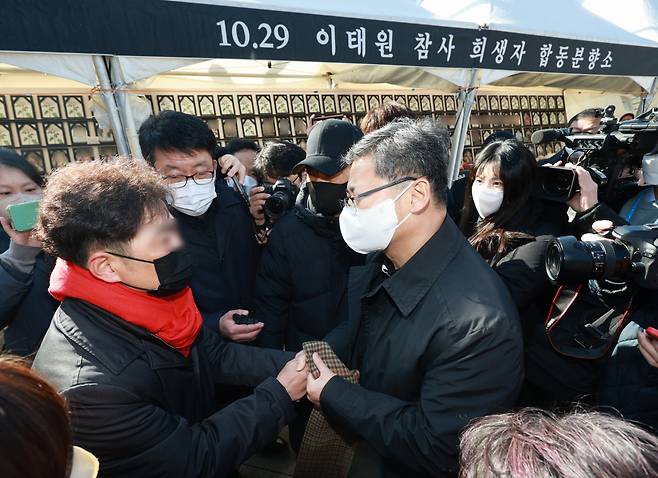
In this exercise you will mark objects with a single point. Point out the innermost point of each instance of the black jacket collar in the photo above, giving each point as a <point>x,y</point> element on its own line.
<point>115,343</point>
<point>407,286</point>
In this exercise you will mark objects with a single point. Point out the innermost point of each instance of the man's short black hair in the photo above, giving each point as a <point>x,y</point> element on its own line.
<point>407,147</point>
<point>500,135</point>
<point>174,131</point>
<point>277,159</point>
<point>240,144</point>
<point>98,204</point>
<point>589,113</point>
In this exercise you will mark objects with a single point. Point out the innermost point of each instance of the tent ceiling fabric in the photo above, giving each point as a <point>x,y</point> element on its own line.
<point>79,68</point>
<point>595,83</point>
<point>258,75</point>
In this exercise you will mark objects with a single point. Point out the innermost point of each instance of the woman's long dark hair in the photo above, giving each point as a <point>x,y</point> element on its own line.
<point>496,234</point>
<point>12,159</point>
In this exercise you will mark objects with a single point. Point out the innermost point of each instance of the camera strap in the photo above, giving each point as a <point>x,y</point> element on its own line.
<point>579,327</point>
<point>636,204</point>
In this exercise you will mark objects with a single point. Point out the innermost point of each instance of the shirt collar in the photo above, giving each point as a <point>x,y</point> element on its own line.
<point>408,285</point>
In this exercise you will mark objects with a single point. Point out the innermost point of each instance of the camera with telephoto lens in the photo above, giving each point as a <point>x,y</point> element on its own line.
<point>630,256</point>
<point>282,198</point>
<point>611,156</point>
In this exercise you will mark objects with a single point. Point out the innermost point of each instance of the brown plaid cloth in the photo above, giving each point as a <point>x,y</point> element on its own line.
<point>325,452</point>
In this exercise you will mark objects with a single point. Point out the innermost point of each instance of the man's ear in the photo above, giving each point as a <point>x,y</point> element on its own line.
<point>100,264</point>
<point>421,196</point>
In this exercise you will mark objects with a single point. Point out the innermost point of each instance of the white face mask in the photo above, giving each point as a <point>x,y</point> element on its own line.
<point>193,199</point>
<point>370,230</point>
<point>248,184</point>
<point>487,201</point>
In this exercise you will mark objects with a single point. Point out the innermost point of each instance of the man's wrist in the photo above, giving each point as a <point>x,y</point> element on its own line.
<point>330,388</point>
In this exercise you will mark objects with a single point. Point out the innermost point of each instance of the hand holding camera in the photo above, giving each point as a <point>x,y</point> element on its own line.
<point>257,198</point>
<point>587,195</point>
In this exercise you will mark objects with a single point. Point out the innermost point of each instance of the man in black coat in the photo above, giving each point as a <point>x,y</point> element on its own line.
<point>127,347</point>
<point>431,327</point>
<point>302,276</point>
<point>214,220</point>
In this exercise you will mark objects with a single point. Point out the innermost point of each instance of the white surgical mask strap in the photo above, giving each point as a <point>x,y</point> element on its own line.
<point>398,197</point>
<point>402,192</point>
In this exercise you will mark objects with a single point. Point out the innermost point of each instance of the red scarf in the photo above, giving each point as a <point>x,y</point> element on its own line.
<point>175,319</point>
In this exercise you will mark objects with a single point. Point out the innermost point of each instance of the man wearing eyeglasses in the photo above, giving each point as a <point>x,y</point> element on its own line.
<point>431,328</point>
<point>214,220</point>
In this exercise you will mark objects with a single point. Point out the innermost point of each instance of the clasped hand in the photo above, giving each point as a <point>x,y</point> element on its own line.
<point>299,381</point>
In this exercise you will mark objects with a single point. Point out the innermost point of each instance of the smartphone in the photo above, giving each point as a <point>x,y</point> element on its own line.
<point>24,216</point>
<point>241,319</point>
<point>652,332</point>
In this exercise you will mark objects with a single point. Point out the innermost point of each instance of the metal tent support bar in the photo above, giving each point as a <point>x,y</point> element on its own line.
<point>647,99</point>
<point>465,100</point>
<point>110,104</point>
<point>125,110</point>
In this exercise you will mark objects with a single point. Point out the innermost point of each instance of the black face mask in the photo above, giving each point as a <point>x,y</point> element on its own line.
<point>326,197</point>
<point>174,272</point>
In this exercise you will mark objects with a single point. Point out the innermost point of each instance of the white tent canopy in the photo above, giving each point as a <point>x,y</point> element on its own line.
<point>168,44</point>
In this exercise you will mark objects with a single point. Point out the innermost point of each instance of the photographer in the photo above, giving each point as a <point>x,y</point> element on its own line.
<point>606,284</point>
<point>508,225</point>
<point>592,215</point>
<point>587,121</point>
<point>245,151</point>
<point>276,160</point>
<point>301,282</point>
<point>26,308</point>
<point>127,348</point>
<point>213,218</point>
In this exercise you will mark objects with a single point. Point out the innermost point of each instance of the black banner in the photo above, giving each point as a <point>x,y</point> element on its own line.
<point>179,29</point>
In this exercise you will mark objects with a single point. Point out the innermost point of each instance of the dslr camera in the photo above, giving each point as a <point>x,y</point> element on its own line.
<point>610,156</point>
<point>282,198</point>
<point>630,257</point>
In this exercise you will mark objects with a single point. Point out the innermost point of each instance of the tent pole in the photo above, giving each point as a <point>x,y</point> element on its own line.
<point>466,99</point>
<point>647,99</point>
<point>110,104</point>
<point>125,110</point>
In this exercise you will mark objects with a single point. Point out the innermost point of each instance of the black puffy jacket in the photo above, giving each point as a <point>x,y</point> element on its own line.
<point>146,410</point>
<point>302,280</point>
